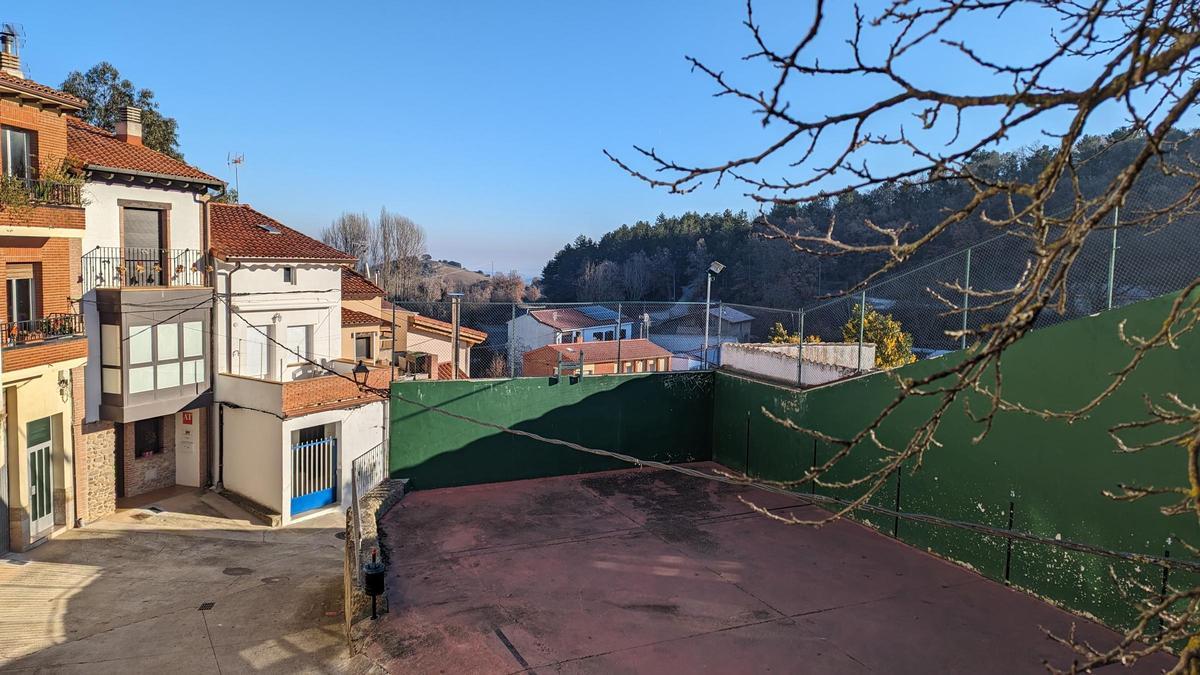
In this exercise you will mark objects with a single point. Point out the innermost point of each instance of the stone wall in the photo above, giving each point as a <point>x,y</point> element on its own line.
<point>152,471</point>
<point>100,468</point>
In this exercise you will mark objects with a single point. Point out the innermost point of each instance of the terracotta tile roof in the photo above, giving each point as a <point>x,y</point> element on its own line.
<point>570,318</point>
<point>606,351</point>
<point>357,287</point>
<point>21,84</point>
<point>446,328</point>
<point>237,232</point>
<point>353,318</point>
<point>446,372</point>
<point>100,149</point>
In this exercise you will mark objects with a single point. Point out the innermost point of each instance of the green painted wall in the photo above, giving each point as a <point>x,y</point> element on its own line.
<point>1053,473</point>
<point>660,416</point>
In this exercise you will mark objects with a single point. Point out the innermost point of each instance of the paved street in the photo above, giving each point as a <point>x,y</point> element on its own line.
<point>123,595</point>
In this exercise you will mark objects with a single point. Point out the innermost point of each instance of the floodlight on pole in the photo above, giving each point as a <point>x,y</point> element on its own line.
<point>713,270</point>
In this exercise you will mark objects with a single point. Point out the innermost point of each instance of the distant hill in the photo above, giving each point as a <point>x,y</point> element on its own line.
<point>452,273</point>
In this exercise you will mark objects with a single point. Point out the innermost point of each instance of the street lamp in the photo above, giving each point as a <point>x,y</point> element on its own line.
<point>360,374</point>
<point>713,270</point>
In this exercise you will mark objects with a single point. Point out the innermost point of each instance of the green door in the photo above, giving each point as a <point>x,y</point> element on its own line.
<point>41,479</point>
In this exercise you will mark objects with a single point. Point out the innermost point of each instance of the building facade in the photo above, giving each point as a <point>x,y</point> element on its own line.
<point>291,416</point>
<point>42,465</point>
<point>147,299</point>
<point>608,357</point>
<point>586,323</point>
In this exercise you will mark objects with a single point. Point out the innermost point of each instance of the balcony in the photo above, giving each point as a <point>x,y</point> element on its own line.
<point>37,192</point>
<point>115,267</point>
<point>307,390</point>
<point>39,342</point>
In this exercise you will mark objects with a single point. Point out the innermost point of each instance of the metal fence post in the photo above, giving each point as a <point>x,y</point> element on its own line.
<point>620,365</point>
<point>512,356</point>
<point>1112,257</point>
<point>862,325</point>
<point>720,319</point>
<point>800,353</point>
<point>966,299</point>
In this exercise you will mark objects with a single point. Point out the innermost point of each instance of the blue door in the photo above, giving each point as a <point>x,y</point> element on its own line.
<point>314,474</point>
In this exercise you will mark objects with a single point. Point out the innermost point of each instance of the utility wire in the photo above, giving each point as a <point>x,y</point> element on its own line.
<point>987,530</point>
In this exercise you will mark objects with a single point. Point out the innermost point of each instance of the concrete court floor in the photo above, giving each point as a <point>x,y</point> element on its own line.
<point>650,571</point>
<point>122,595</point>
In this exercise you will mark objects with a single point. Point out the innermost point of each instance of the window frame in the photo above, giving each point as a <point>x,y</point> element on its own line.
<point>159,431</point>
<point>13,295</point>
<point>306,352</point>
<point>370,338</point>
<point>30,152</point>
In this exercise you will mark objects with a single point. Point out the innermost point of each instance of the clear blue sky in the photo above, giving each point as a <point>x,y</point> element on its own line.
<point>482,121</point>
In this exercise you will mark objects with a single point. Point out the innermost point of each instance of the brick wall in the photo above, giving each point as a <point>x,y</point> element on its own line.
<point>57,217</point>
<point>56,262</point>
<point>50,126</point>
<point>100,468</point>
<point>154,471</point>
<point>331,392</point>
<point>17,358</point>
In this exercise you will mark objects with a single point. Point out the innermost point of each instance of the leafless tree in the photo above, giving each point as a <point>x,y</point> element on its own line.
<point>599,281</point>
<point>351,233</point>
<point>533,292</point>
<point>507,287</point>
<point>396,247</point>
<point>636,276</point>
<point>1137,59</point>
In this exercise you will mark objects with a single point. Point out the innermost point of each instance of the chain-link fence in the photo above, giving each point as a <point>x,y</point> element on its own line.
<point>1145,255</point>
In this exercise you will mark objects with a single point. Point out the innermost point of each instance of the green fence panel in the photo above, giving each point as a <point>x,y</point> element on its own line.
<point>1053,474</point>
<point>664,417</point>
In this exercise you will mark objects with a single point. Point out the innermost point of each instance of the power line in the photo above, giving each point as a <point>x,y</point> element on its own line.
<point>978,528</point>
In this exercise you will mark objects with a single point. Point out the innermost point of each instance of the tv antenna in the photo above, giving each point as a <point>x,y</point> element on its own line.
<point>234,160</point>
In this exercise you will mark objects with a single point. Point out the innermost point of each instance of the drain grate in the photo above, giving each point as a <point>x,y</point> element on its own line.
<point>236,571</point>
<point>341,534</point>
<point>205,606</point>
<point>155,509</point>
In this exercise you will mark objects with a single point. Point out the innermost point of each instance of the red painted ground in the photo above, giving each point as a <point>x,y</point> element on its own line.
<point>647,571</point>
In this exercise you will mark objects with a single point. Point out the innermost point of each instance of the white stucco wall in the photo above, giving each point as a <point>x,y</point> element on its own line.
<point>778,362</point>
<point>314,300</point>
<point>103,214</point>
<point>357,430</point>
<point>253,459</point>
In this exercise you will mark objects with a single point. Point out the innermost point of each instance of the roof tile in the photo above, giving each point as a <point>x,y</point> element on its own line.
<point>237,232</point>
<point>99,148</point>
<point>357,287</point>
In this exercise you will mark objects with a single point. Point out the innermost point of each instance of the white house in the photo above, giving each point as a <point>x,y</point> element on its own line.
<point>290,416</point>
<point>586,323</point>
<point>147,307</point>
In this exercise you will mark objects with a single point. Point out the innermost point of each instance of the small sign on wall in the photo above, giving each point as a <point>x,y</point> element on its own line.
<point>187,417</point>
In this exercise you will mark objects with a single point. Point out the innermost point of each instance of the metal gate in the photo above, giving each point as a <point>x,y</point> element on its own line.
<point>314,474</point>
<point>41,476</point>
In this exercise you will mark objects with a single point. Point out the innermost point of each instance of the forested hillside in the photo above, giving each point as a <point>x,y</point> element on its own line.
<point>666,259</point>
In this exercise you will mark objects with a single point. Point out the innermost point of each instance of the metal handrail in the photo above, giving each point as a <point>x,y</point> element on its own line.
<point>35,331</point>
<point>117,267</point>
<point>54,193</point>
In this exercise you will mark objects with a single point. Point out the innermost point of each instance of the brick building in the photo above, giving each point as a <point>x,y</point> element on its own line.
<point>43,465</point>
<point>599,358</point>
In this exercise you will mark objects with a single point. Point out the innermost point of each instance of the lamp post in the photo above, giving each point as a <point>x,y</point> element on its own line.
<point>455,304</point>
<point>713,270</point>
<point>360,373</point>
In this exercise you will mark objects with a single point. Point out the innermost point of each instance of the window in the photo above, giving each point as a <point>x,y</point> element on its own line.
<point>608,335</point>
<point>297,343</point>
<point>629,366</point>
<point>310,434</point>
<point>18,153</point>
<point>147,437</point>
<point>21,293</point>
<point>624,336</point>
<point>289,275</point>
<point>651,366</point>
<point>364,345</point>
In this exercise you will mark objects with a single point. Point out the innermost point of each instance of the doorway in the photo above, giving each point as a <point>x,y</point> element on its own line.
<point>39,442</point>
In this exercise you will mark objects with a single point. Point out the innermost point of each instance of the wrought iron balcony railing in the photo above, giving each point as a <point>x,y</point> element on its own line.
<point>36,331</point>
<point>37,191</point>
<point>114,267</point>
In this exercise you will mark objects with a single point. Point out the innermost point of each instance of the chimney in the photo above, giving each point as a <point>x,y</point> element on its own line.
<point>10,60</point>
<point>129,126</point>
